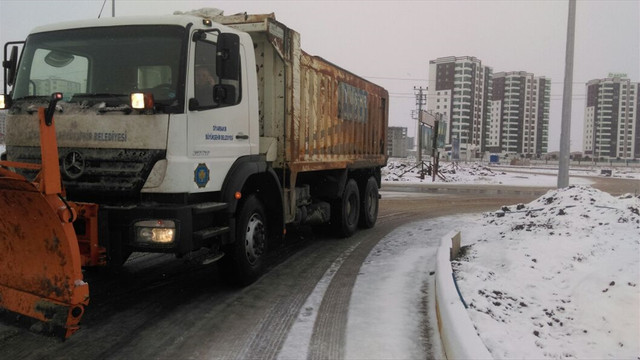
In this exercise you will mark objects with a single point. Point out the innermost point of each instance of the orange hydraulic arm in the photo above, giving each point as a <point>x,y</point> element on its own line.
<point>40,256</point>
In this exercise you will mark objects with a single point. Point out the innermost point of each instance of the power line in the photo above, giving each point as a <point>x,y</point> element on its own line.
<point>422,79</point>
<point>551,97</point>
<point>395,78</point>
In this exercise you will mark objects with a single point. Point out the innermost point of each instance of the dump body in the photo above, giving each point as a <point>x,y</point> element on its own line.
<point>320,116</point>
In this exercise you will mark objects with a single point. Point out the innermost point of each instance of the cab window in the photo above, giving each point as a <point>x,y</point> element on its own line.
<point>57,72</point>
<point>206,79</point>
<point>205,74</point>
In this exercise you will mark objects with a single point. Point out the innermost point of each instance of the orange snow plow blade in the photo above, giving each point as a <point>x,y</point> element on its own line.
<point>40,260</point>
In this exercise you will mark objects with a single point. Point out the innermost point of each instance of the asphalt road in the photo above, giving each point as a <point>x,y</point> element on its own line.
<point>160,307</point>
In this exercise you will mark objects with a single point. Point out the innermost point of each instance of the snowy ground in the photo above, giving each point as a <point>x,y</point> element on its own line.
<point>405,171</point>
<point>556,278</point>
<point>394,288</point>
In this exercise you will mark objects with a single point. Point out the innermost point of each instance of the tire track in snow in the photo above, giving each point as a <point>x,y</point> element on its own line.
<point>329,332</point>
<point>296,345</point>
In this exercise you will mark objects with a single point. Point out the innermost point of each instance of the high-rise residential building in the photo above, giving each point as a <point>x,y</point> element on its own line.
<point>519,121</point>
<point>411,142</point>
<point>460,90</point>
<point>612,118</point>
<point>397,141</point>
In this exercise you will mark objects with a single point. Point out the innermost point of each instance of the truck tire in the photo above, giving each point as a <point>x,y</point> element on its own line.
<point>245,260</point>
<point>369,204</point>
<point>346,210</point>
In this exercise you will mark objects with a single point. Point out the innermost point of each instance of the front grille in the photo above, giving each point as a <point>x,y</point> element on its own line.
<point>91,174</point>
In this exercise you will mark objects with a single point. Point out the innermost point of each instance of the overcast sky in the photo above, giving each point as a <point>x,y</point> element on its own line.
<point>391,42</point>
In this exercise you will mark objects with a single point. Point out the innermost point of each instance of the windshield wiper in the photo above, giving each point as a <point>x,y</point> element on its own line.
<point>104,99</point>
<point>125,108</point>
<point>33,97</point>
<point>77,96</point>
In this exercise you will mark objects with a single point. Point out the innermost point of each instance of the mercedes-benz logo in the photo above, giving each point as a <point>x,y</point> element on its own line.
<point>73,165</point>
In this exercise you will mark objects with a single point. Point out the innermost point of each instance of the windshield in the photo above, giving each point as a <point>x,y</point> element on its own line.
<point>104,65</point>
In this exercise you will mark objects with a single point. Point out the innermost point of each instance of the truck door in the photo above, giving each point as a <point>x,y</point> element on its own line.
<point>218,131</point>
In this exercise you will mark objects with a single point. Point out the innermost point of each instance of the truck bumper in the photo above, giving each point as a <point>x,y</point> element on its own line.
<point>194,226</point>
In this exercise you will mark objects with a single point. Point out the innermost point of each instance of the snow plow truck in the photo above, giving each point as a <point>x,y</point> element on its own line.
<point>173,134</point>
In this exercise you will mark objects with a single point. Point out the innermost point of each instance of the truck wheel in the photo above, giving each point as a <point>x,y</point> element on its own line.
<point>347,210</point>
<point>369,204</point>
<point>246,258</point>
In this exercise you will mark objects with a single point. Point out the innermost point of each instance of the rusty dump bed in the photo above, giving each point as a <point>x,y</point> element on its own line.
<point>326,117</point>
<point>342,118</point>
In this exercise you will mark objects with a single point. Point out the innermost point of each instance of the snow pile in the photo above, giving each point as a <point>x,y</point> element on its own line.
<point>398,170</point>
<point>556,278</point>
<point>406,171</point>
<point>453,172</point>
<point>620,172</point>
<point>624,173</point>
<point>208,13</point>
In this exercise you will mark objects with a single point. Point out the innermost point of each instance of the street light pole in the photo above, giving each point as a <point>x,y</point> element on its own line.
<point>565,132</point>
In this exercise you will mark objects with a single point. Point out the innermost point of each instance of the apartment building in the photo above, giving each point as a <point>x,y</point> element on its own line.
<point>397,141</point>
<point>612,118</point>
<point>460,89</point>
<point>519,120</point>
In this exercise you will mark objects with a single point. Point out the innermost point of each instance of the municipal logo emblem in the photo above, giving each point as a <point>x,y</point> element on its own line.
<point>201,175</point>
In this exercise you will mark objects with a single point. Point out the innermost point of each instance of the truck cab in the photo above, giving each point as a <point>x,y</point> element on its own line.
<point>114,149</point>
<point>155,113</point>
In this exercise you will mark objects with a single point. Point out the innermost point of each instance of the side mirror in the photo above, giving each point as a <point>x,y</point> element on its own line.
<point>228,56</point>
<point>11,65</point>
<point>224,94</point>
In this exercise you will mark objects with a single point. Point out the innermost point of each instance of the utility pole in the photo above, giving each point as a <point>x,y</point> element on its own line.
<point>565,132</point>
<point>434,150</point>
<point>421,99</point>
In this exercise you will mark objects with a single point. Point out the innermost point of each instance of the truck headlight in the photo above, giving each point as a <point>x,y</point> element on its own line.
<point>155,231</point>
<point>5,102</point>
<point>142,101</point>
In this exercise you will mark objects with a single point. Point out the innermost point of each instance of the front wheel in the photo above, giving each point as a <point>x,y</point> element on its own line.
<point>245,261</point>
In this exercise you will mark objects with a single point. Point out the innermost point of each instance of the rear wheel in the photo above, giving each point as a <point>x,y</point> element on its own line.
<point>245,261</point>
<point>346,210</point>
<point>369,204</point>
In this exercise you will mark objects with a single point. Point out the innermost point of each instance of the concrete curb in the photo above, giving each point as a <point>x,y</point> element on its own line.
<point>439,188</point>
<point>458,335</point>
